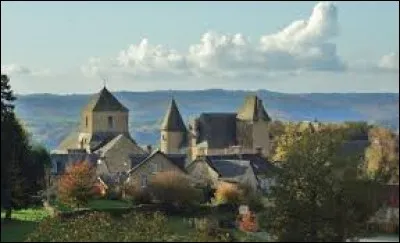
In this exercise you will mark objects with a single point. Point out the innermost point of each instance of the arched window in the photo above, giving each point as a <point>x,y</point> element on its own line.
<point>110,122</point>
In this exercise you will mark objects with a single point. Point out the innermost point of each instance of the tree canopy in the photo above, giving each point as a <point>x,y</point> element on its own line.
<point>318,196</point>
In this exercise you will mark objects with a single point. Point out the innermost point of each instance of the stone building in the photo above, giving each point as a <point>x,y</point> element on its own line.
<point>103,133</point>
<point>218,133</point>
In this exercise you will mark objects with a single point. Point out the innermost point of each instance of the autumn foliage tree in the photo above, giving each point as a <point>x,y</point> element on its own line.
<point>227,193</point>
<point>248,223</point>
<point>75,186</point>
<point>382,156</point>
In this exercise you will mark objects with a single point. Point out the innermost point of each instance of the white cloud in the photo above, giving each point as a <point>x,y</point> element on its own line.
<point>390,62</point>
<point>15,69</point>
<point>303,45</point>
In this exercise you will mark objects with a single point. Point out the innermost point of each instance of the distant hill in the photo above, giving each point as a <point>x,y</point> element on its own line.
<point>51,117</point>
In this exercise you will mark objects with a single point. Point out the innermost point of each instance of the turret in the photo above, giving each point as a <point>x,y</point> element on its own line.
<point>173,131</point>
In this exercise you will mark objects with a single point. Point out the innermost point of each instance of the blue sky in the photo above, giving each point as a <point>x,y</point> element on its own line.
<point>67,47</point>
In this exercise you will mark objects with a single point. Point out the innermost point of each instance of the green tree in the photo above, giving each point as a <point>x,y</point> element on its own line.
<point>318,196</point>
<point>21,165</point>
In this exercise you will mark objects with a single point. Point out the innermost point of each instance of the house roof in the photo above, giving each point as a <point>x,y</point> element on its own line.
<point>174,159</point>
<point>260,164</point>
<point>104,101</point>
<point>180,160</point>
<point>218,129</point>
<point>172,119</point>
<point>252,110</point>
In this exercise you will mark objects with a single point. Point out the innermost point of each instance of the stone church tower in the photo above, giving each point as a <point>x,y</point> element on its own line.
<point>103,118</point>
<point>173,131</point>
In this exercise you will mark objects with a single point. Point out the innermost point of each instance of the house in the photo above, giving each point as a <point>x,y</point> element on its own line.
<point>217,133</point>
<point>144,167</point>
<point>252,170</point>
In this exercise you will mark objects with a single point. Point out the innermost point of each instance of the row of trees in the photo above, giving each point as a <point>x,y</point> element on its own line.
<point>22,162</point>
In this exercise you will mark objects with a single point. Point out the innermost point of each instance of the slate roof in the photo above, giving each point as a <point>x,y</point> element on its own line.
<point>260,165</point>
<point>252,110</point>
<point>230,168</point>
<point>172,119</point>
<point>104,101</point>
<point>178,160</point>
<point>218,129</point>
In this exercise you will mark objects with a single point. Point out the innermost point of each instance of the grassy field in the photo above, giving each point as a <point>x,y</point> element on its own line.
<point>23,222</point>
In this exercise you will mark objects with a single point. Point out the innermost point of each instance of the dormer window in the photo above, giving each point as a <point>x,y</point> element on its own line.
<point>110,122</point>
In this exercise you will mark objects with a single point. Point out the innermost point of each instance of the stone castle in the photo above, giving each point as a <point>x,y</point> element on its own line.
<point>217,133</point>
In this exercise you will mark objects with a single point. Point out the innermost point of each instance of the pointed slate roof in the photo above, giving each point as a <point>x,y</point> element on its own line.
<point>104,101</point>
<point>252,110</point>
<point>172,119</point>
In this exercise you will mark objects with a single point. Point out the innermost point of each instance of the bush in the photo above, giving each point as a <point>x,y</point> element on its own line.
<point>75,187</point>
<point>138,195</point>
<point>173,188</point>
<point>227,193</point>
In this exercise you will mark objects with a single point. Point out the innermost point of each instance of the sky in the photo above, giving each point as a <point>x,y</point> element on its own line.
<point>290,47</point>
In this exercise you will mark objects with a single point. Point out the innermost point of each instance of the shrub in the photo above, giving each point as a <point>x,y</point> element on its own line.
<point>248,222</point>
<point>139,195</point>
<point>173,188</point>
<point>76,184</point>
<point>227,193</point>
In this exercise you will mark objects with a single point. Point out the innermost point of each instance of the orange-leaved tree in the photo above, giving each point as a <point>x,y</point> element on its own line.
<point>75,186</point>
<point>248,222</point>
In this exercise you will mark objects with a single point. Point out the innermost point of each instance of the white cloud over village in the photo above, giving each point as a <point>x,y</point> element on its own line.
<point>302,50</point>
<point>303,45</point>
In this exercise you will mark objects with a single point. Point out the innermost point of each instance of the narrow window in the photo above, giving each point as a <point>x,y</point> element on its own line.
<point>86,121</point>
<point>110,122</point>
<point>143,181</point>
<point>163,137</point>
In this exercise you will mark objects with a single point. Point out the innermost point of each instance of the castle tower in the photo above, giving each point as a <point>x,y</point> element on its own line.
<point>252,126</point>
<point>173,131</point>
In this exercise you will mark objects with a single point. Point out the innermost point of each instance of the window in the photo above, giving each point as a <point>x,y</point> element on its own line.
<point>143,180</point>
<point>155,168</point>
<point>163,137</point>
<point>86,121</point>
<point>110,122</point>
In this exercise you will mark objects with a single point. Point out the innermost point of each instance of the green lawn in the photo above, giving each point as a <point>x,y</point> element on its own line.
<point>100,204</point>
<point>23,222</point>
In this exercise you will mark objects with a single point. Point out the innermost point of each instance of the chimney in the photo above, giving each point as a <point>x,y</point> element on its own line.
<point>149,149</point>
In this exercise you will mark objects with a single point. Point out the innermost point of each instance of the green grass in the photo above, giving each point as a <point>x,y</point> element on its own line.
<point>22,223</point>
<point>100,204</point>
